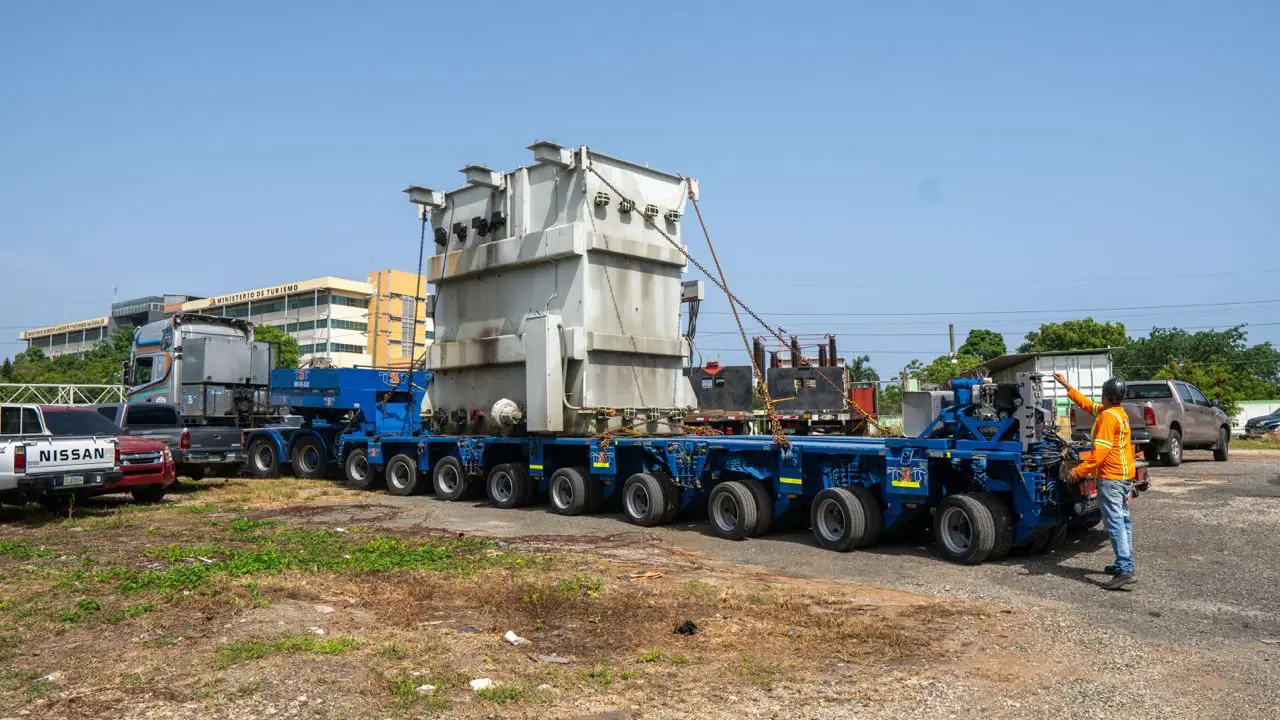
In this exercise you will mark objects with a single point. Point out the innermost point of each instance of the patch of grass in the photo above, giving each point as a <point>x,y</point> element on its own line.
<point>1266,442</point>
<point>199,508</point>
<point>83,609</point>
<point>404,688</point>
<point>393,651</point>
<point>699,590</point>
<point>244,650</point>
<point>756,670</point>
<point>23,550</point>
<point>130,613</point>
<point>504,693</point>
<point>245,526</point>
<point>17,678</point>
<point>580,586</point>
<point>654,656</point>
<point>599,675</point>
<point>651,657</point>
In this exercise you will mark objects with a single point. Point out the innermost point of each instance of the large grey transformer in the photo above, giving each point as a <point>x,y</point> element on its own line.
<point>557,299</point>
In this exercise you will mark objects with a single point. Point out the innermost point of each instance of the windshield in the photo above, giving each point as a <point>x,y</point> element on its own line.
<point>78,422</point>
<point>1148,392</point>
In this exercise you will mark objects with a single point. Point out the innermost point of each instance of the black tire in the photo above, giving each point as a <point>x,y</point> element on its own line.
<point>837,518</point>
<point>359,473</point>
<point>1002,518</point>
<point>644,500</point>
<point>1221,450</point>
<point>148,494</point>
<point>402,475</point>
<point>964,530</point>
<point>733,510</point>
<point>1171,456</point>
<point>569,491</point>
<point>671,494</point>
<point>264,460</point>
<point>508,485</point>
<point>194,472</point>
<point>764,506</point>
<point>308,459</point>
<point>449,478</point>
<point>1056,537</point>
<point>873,516</point>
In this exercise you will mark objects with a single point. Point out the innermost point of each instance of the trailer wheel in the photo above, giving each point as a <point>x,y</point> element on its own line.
<point>764,506</point>
<point>508,485</point>
<point>1057,537</point>
<point>964,529</point>
<point>570,491</point>
<point>733,510</point>
<point>449,478</point>
<point>402,475</point>
<point>308,459</point>
<point>359,473</point>
<point>264,461</point>
<point>837,519</point>
<point>671,497</point>
<point>644,500</point>
<point>1002,518</point>
<point>872,514</point>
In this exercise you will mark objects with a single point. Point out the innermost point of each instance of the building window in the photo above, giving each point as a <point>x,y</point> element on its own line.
<point>348,301</point>
<point>345,348</point>
<point>406,332</point>
<point>300,326</point>
<point>349,325</point>
<point>269,307</point>
<point>236,311</point>
<point>431,334</point>
<point>301,301</point>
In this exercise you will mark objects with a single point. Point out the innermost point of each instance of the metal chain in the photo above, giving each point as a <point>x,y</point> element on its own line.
<point>417,301</point>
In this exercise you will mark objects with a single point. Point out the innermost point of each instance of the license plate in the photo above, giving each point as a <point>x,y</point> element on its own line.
<point>72,480</point>
<point>234,457</point>
<point>1091,503</point>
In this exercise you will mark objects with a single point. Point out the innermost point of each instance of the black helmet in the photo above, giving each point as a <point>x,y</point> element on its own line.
<point>1114,390</point>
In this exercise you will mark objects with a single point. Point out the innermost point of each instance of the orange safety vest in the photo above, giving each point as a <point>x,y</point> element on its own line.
<point>1112,457</point>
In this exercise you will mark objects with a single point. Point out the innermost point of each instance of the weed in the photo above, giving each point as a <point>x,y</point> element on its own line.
<point>23,550</point>
<point>651,657</point>
<point>198,508</point>
<point>699,590</point>
<point>627,675</point>
<point>503,694</point>
<point>243,650</point>
<point>756,670</point>
<point>598,675</point>
<point>14,679</point>
<point>245,526</point>
<point>83,608</point>
<point>130,613</point>
<point>404,688</point>
<point>40,687</point>
<point>580,585</point>
<point>393,651</point>
<point>677,659</point>
<point>205,694</point>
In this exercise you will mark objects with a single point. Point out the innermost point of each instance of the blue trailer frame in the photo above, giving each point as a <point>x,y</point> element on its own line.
<point>986,496</point>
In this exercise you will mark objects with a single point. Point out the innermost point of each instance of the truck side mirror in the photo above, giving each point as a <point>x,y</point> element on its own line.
<point>1215,403</point>
<point>124,371</point>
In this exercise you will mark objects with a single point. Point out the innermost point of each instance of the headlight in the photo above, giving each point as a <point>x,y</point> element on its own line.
<point>168,456</point>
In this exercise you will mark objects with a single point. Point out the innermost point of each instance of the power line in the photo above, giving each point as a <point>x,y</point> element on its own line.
<point>946,313</point>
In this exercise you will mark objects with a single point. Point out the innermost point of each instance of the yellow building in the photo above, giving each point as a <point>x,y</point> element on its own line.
<point>392,342</point>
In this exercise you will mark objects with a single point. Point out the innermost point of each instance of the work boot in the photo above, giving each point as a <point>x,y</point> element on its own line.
<point>1110,569</point>
<point>1120,580</point>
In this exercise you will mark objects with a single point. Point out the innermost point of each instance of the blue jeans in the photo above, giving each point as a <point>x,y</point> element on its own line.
<point>1113,497</point>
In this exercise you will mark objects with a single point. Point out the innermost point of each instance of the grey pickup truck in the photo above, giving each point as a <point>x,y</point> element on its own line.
<point>1168,417</point>
<point>198,450</point>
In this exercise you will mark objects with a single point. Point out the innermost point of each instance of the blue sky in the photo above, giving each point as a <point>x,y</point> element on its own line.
<point>855,158</point>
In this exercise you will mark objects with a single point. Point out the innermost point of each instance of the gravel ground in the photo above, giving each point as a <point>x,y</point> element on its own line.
<point>1196,638</point>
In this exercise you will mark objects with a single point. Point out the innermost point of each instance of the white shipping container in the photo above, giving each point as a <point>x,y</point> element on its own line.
<point>1086,370</point>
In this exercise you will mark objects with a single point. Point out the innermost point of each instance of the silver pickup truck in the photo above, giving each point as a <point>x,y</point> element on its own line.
<point>198,450</point>
<point>1168,417</point>
<point>36,466</point>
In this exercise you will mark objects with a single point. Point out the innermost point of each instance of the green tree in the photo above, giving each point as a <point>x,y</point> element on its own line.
<point>985,344</point>
<point>889,401</point>
<point>1083,334</point>
<point>860,370</point>
<point>283,346</point>
<point>943,369</point>
<point>6,370</point>
<point>1219,362</point>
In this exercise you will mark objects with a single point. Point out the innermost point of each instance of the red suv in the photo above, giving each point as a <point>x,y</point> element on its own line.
<point>146,466</point>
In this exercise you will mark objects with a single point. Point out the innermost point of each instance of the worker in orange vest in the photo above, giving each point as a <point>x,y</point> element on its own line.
<point>1113,463</point>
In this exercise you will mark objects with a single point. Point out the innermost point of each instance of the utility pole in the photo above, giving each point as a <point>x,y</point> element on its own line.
<point>951,330</point>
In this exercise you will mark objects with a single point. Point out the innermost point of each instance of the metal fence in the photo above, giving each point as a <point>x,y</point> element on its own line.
<point>51,394</point>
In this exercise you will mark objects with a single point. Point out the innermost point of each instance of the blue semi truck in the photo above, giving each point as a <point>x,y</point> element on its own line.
<point>989,471</point>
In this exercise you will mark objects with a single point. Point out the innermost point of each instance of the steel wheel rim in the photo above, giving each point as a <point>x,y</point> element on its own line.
<point>1175,447</point>
<point>449,479</point>
<point>725,511</point>
<point>309,459</point>
<point>637,501</point>
<point>262,458</point>
<point>359,468</point>
<point>561,492</point>
<point>957,531</point>
<point>399,475</point>
<point>502,486</point>
<point>831,520</point>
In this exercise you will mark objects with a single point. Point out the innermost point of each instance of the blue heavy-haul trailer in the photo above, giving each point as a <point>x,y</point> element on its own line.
<point>989,469</point>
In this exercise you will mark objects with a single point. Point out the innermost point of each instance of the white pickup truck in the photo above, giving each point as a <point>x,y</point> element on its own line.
<point>36,466</point>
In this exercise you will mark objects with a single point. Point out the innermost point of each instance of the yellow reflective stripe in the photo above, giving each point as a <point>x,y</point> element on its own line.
<point>535,467</point>
<point>1103,443</point>
<point>791,481</point>
<point>600,465</point>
